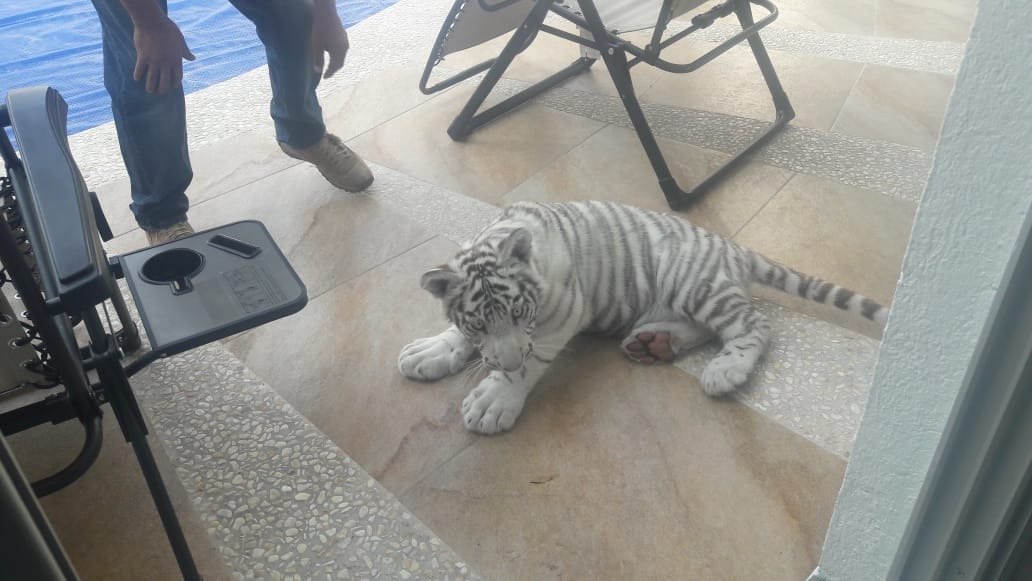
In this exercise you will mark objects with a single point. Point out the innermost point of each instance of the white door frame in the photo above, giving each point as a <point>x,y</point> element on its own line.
<point>945,445</point>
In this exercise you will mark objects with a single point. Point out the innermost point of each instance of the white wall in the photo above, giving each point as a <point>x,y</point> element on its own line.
<point>976,199</point>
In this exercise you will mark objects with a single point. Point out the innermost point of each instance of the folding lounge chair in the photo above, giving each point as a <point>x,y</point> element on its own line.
<point>600,23</point>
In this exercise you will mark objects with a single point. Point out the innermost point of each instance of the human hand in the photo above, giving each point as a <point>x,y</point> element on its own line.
<point>328,36</point>
<point>160,50</point>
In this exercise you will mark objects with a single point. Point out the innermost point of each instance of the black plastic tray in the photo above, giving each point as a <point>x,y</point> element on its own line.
<point>229,294</point>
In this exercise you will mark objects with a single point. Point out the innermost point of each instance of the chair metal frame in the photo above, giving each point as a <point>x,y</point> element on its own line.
<point>619,56</point>
<point>51,251</point>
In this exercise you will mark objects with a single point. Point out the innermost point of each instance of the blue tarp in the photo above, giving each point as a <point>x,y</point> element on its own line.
<point>57,43</point>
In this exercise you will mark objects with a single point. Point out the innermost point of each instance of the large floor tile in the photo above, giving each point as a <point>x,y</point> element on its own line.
<point>842,16</point>
<point>491,162</point>
<point>897,105</point>
<point>218,168</point>
<point>358,108</point>
<point>612,165</point>
<point>247,157</point>
<point>619,471</point>
<point>936,20</point>
<point>106,520</point>
<point>732,84</point>
<point>842,234</point>
<point>336,363</point>
<point>329,236</point>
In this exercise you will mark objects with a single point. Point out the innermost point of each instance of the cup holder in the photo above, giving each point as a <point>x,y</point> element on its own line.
<point>174,267</point>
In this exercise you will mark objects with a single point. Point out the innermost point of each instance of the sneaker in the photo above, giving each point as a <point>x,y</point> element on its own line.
<point>336,162</point>
<point>173,232</point>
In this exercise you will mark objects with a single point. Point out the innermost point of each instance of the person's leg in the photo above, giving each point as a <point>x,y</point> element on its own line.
<point>151,128</point>
<point>285,28</point>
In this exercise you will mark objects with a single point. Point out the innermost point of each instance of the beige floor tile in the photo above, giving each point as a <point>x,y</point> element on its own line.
<point>612,165</point>
<point>936,20</point>
<point>106,520</point>
<point>839,233</point>
<point>897,105</point>
<point>548,54</point>
<point>732,84</point>
<point>842,16</point>
<point>357,109</point>
<point>619,471</point>
<point>491,162</point>
<point>131,240</point>
<point>336,363</point>
<point>239,160</point>
<point>329,236</point>
<point>218,168</point>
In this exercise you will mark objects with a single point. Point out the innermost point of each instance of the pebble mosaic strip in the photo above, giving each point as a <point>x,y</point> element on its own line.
<point>278,498</point>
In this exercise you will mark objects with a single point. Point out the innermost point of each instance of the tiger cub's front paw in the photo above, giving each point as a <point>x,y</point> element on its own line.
<point>492,406</point>
<point>433,358</point>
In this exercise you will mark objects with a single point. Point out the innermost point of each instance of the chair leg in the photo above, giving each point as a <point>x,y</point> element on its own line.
<point>130,418</point>
<point>127,411</point>
<point>615,57</point>
<point>469,119</point>
<point>782,106</point>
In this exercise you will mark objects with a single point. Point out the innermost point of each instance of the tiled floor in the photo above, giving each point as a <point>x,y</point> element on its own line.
<point>614,471</point>
<point>106,521</point>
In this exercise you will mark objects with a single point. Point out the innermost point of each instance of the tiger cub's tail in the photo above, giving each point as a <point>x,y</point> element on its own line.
<point>769,273</point>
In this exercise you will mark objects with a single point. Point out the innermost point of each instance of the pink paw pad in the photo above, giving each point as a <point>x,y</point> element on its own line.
<point>648,348</point>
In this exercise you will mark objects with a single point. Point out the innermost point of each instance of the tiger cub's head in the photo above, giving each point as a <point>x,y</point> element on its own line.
<point>490,292</point>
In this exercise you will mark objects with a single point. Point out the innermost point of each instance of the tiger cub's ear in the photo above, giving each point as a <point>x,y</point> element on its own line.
<point>439,281</point>
<point>516,246</point>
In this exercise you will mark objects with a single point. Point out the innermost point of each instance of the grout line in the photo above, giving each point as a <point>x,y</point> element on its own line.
<point>762,207</point>
<point>217,196</point>
<point>931,56</point>
<point>502,201</point>
<point>846,101</point>
<point>434,470</point>
<point>891,169</point>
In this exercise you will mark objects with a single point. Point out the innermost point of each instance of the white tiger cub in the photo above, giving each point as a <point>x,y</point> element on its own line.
<point>542,273</point>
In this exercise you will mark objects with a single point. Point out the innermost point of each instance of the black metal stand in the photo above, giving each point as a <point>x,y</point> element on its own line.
<point>69,277</point>
<point>619,56</point>
<point>118,393</point>
<point>81,400</point>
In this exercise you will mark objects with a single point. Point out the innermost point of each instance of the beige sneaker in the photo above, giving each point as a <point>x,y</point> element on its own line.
<point>336,162</point>
<point>173,232</point>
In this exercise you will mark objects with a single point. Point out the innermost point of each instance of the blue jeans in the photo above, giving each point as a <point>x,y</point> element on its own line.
<point>152,128</point>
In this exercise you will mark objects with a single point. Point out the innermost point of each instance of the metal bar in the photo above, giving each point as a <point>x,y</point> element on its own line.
<point>435,54</point>
<point>484,117</point>
<point>679,199</point>
<point>615,58</point>
<point>67,362</point>
<point>748,33</point>
<point>130,418</point>
<point>454,79</point>
<point>614,54</point>
<point>568,36</point>
<point>661,24</point>
<point>462,126</point>
<point>31,549</point>
<point>129,336</point>
<point>744,12</point>
<point>140,362</point>
<point>55,409</point>
<point>93,439</point>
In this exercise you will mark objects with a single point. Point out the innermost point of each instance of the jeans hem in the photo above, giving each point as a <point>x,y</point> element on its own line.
<point>161,224</point>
